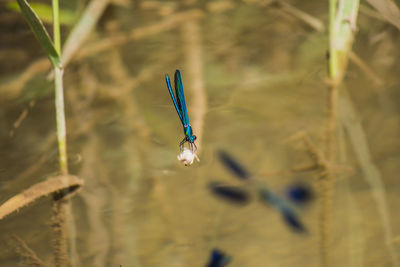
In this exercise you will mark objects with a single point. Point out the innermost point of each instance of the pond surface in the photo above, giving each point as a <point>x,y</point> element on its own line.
<point>255,83</point>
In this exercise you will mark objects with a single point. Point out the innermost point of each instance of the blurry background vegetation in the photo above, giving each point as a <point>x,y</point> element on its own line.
<point>260,69</point>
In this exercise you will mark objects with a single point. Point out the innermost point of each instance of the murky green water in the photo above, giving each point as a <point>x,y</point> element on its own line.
<point>263,73</point>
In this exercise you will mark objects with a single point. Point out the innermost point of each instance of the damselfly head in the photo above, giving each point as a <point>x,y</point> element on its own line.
<point>187,156</point>
<point>190,138</point>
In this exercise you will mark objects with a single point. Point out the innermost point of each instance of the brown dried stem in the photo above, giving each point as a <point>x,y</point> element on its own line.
<point>327,180</point>
<point>60,230</point>
<point>68,183</point>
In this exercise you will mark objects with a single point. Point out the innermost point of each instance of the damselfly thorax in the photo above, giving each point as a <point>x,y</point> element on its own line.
<point>189,137</point>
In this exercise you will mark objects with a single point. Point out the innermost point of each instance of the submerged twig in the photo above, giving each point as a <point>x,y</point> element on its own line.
<point>21,117</point>
<point>192,40</point>
<point>356,234</point>
<point>369,73</point>
<point>77,37</point>
<point>388,9</point>
<point>82,29</point>
<point>311,21</point>
<point>121,38</point>
<point>26,253</point>
<point>94,11</point>
<point>127,84</point>
<point>13,88</point>
<point>358,139</point>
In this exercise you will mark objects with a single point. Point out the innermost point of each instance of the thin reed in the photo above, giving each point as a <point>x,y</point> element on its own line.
<point>342,25</point>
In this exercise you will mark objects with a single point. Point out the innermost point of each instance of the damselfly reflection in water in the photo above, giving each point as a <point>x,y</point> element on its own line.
<point>218,259</point>
<point>297,194</point>
<point>181,109</point>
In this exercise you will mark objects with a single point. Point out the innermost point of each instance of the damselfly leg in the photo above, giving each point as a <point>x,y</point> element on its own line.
<point>192,146</point>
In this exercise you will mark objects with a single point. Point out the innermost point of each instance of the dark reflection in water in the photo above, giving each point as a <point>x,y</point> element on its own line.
<point>263,73</point>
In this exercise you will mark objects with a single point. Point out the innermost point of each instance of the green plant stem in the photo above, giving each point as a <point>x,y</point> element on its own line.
<point>60,117</point>
<point>333,66</point>
<point>56,26</point>
<point>59,94</point>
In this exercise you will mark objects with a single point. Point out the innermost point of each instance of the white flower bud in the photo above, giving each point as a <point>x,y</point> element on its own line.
<point>187,156</point>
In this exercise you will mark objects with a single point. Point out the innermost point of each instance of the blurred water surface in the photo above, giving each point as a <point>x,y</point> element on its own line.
<point>262,73</point>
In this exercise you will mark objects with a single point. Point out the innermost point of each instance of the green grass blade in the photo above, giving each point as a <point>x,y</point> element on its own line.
<point>39,31</point>
<point>45,13</point>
